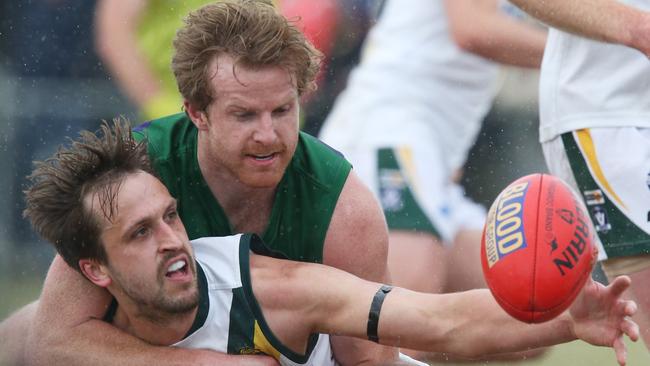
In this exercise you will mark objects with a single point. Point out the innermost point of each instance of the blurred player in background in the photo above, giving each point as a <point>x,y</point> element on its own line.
<point>411,112</point>
<point>595,124</point>
<point>134,39</point>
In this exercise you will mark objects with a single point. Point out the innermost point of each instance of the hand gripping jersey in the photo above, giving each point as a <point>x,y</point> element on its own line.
<point>303,204</point>
<point>229,317</point>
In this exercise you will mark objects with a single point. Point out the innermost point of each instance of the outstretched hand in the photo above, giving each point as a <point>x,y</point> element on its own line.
<point>601,317</point>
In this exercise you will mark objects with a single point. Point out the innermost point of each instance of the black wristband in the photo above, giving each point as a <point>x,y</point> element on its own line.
<point>375,309</point>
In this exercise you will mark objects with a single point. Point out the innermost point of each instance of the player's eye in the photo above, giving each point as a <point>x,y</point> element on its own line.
<point>171,215</point>
<point>244,116</point>
<point>283,110</point>
<point>140,232</point>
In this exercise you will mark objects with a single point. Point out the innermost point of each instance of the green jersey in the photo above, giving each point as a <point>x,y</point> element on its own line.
<point>304,200</point>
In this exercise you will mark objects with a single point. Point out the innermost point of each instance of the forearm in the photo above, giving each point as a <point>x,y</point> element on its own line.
<point>65,330</point>
<point>97,343</point>
<point>463,324</point>
<point>13,333</point>
<point>115,24</point>
<point>601,20</point>
<point>511,42</point>
<point>479,27</point>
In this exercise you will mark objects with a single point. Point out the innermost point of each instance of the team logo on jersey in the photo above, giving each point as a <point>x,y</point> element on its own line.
<point>391,189</point>
<point>594,197</point>
<point>601,222</point>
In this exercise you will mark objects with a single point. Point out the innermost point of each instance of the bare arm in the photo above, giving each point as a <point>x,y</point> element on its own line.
<point>66,331</point>
<point>116,23</point>
<point>357,242</point>
<point>601,20</point>
<point>462,324</point>
<point>13,332</point>
<point>478,26</point>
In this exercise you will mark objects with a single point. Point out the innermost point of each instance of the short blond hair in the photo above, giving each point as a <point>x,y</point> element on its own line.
<point>253,32</point>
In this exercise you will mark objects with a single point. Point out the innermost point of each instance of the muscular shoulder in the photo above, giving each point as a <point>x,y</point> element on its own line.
<point>357,239</point>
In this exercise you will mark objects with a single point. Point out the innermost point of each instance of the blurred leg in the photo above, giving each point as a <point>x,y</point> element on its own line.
<point>464,271</point>
<point>417,261</point>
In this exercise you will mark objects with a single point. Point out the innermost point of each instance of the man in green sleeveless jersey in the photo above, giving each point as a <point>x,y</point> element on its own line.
<point>237,163</point>
<point>114,222</point>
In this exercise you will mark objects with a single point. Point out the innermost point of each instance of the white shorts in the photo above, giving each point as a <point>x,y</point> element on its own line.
<point>610,167</point>
<point>415,189</point>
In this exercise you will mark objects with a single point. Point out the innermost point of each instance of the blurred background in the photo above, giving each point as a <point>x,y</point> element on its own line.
<point>55,80</point>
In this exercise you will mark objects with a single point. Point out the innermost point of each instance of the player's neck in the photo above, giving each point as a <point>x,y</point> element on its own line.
<point>156,328</point>
<point>248,208</point>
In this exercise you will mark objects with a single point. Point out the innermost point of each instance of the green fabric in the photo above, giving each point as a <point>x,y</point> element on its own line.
<point>253,243</point>
<point>242,325</point>
<point>303,204</point>
<point>622,238</point>
<point>400,207</point>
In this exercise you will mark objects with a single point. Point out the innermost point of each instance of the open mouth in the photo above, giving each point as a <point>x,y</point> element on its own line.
<point>177,269</point>
<point>263,157</point>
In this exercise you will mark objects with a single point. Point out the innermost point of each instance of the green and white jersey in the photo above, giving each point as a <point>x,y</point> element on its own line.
<point>413,83</point>
<point>304,201</point>
<point>590,84</point>
<point>229,317</point>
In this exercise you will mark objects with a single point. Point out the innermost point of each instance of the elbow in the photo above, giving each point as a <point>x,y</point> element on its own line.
<point>468,40</point>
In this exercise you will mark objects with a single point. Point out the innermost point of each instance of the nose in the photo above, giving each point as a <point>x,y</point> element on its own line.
<point>265,130</point>
<point>167,238</point>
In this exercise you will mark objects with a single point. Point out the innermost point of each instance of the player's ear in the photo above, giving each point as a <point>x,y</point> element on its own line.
<point>95,272</point>
<point>198,117</point>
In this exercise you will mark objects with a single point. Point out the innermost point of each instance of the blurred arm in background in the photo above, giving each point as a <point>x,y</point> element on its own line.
<point>477,26</point>
<point>116,24</point>
<point>601,20</point>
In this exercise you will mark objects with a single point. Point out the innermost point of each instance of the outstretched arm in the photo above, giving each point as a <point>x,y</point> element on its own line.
<point>478,26</point>
<point>601,20</point>
<point>66,331</point>
<point>357,242</point>
<point>462,324</point>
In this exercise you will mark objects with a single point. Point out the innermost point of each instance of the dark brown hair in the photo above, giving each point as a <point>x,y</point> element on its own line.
<point>250,31</point>
<point>93,164</point>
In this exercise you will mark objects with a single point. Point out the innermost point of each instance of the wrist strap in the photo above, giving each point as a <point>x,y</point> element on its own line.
<point>375,309</point>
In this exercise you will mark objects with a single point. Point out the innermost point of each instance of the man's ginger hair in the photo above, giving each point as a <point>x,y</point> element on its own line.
<point>253,33</point>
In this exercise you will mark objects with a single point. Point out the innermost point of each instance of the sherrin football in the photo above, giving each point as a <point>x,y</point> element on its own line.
<point>537,248</point>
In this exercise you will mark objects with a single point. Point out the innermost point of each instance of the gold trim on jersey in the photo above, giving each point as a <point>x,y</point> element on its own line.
<point>262,344</point>
<point>586,144</point>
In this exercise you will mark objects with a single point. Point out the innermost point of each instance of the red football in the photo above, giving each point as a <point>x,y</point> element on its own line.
<point>537,248</point>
